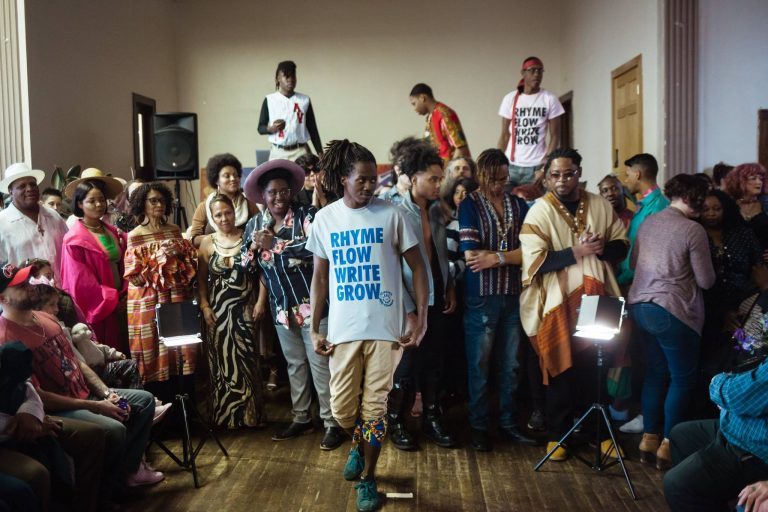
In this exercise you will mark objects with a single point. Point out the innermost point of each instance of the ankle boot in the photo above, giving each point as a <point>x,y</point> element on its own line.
<point>396,430</point>
<point>649,444</point>
<point>434,429</point>
<point>663,457</point>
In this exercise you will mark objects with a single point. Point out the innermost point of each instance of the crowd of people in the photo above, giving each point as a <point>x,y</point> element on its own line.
<point>390,301</point>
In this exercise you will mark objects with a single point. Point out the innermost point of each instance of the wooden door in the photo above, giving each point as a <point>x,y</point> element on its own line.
<point>762,133</point>
<point>627,113</point>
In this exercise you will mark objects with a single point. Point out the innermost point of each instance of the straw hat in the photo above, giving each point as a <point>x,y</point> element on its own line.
<point>254,192</point>
<point>112,187</point>
<point>18,171</point>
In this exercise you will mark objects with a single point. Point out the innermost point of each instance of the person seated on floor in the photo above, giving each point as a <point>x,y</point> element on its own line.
<point>71,389</point>
<point>713,460</point>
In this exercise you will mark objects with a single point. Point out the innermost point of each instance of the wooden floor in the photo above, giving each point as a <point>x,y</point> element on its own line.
<point>262,475</point>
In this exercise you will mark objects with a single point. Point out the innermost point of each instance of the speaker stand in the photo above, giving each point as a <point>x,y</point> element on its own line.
<point>179,213</point>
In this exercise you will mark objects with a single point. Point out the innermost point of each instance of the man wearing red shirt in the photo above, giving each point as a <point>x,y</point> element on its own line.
<point>443,128</point>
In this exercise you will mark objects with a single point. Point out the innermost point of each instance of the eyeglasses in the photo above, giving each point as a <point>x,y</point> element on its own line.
<point>154,201</point>
<point>283,192</point>
<point>563,176</point>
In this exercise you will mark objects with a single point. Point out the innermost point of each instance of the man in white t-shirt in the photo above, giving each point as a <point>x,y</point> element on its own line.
<point>358,242</point>
<point>287,117</point>
<point>527,114</point>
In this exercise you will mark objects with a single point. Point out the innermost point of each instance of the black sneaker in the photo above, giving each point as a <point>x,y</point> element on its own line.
<point>332,439</point>
<point>293,430</point>
<point>480,440</point>
<point>536,421</point>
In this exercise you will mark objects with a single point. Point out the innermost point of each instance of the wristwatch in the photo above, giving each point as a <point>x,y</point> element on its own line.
<point>501,258</point>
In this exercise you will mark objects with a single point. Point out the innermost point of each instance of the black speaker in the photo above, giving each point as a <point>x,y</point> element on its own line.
<point>175,146</point>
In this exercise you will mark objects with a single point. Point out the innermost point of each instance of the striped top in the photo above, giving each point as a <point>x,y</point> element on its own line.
<point>479,229</point>
<point>743,400</point>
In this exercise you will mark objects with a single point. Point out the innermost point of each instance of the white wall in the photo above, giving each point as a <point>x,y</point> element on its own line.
<point>358,62</point>
<point>598,37</point>
<point>733,79</point>
<point>85,58</point>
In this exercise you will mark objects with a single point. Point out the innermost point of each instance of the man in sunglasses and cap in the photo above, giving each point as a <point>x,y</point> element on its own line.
<point>27,229</point>
<point>527,114</point>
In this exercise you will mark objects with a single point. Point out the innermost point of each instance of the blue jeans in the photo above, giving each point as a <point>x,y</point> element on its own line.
<point>125,442</point>
<point>492,324</point>
<point>671,353</point>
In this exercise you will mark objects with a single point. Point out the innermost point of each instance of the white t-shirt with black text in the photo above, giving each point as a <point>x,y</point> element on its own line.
<point>533,114</point>
<point>363,247</point>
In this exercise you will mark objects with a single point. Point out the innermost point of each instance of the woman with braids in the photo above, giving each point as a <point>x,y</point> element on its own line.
<point>275,250</point>
<point>358,242</point>
<point>160,267</point>
<point>227,295</point>
<point>489,225</point>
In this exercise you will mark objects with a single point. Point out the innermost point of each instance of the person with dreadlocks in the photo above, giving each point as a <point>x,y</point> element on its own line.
<point>287,117</point>
<point>527,114</point>
<point>489,228</point>
<point>358,242</point>
<point>571,240</point>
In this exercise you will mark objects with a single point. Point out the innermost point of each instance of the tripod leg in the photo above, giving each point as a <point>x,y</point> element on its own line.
<point>618,454</point>
<point>187,441</point>
<point>566,436</point>
<point>210,432</point>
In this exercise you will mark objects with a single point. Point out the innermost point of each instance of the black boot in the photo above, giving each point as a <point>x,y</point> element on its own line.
<point>434,429</point>
<point>396,430</point>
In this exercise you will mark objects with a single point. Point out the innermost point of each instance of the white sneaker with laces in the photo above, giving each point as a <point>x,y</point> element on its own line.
<point>633,427</point>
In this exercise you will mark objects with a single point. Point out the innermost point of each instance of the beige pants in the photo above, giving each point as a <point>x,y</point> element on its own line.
<point>365,367</point>
<point>277,152</point>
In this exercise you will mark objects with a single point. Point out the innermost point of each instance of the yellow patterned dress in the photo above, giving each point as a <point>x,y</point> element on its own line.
<point>167,265</point>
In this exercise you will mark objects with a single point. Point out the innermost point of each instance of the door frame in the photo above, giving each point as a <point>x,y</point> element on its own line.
<point>638,63</point>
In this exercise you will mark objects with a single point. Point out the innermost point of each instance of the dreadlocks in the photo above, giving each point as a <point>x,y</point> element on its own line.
<point>489,160</point>
<point>338,160</point>
<point>569,153</point>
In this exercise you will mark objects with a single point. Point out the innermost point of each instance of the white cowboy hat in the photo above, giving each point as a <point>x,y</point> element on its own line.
<point>112,187</point>
<point>18,171</point>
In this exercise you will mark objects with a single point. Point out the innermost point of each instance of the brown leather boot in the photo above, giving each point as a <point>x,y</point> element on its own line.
<point>663,458</point>
<point>649,445</point>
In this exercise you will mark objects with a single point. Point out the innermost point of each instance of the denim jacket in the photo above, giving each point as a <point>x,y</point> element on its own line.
<point>439,239</point>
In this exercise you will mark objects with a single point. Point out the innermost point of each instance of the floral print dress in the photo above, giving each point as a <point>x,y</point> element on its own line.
<point>287,267</point>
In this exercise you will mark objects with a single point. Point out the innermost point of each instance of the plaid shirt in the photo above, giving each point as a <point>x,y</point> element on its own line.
<point>743,400</point>
<point>478,231</point>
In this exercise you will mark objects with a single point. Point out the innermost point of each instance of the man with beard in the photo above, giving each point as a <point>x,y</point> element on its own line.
<point>612,191</point>
<point>27,229</point>
<point>570,239</point>
<point>70,389</point>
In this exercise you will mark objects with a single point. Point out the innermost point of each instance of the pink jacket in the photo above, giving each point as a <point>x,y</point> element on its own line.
<point>87,276</point>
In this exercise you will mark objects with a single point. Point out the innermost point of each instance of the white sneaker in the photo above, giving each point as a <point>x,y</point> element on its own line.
<point>160,412</point>
<point>633,427</point>
<point>146,475</point>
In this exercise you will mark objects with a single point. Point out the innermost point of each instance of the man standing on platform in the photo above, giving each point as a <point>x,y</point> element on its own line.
<point>288,118</point>
<point>528,114</point>
<point>358,242</point>
<point>443,128</point>
<point>570,240</point>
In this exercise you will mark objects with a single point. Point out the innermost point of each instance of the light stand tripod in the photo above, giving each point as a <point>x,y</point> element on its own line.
<point>175,322</point>
<point>599,463</point>
<point>179,213</point>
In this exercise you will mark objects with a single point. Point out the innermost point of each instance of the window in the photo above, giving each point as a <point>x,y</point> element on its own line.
<point>143,110</point>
